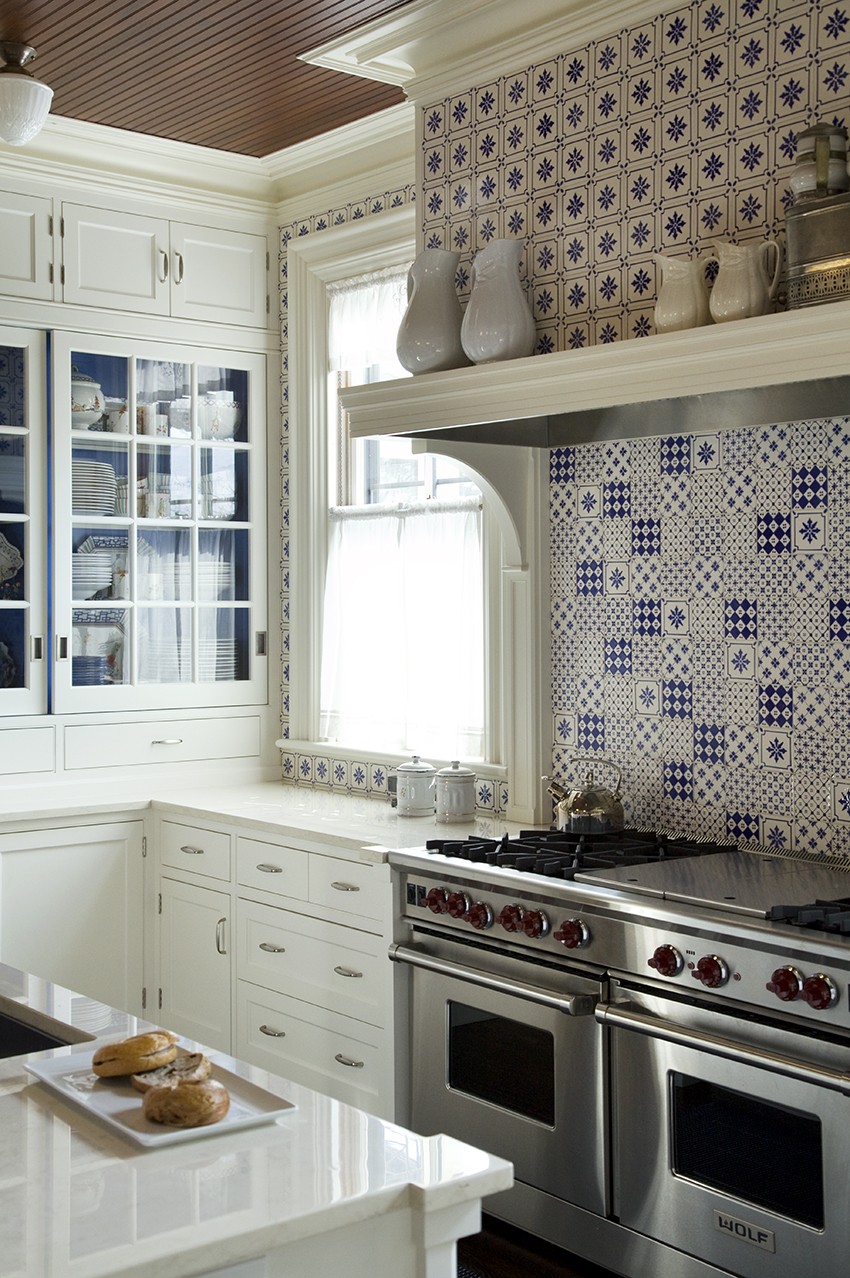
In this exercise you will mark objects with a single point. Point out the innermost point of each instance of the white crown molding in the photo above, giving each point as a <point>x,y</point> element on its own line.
<point>438,46</point>
<point>338,166</point>
<point>103,158</point>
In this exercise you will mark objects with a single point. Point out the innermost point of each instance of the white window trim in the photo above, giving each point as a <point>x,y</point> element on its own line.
<point>514,478</point>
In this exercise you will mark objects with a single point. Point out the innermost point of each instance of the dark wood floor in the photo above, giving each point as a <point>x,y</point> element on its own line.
<point>500,1251</point>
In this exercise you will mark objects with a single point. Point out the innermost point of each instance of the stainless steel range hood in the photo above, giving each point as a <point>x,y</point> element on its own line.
<point>783,367</point>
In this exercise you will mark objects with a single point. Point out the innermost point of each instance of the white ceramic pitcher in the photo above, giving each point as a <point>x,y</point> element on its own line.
<point>682,300</point>
<point>747,277</point>
<point>497,322</point>
<point>429,335</point>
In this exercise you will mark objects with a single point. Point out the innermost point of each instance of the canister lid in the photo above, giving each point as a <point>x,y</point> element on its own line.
<point>416,765</point>
<point>456,772</point>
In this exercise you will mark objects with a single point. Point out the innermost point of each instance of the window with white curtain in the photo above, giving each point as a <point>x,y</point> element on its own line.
<point>403,660</point>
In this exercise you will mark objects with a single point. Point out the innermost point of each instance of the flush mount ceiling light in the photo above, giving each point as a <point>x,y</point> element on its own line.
<point>24,101</point>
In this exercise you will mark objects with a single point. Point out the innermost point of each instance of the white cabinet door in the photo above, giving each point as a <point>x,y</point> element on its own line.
<point>160,529</point>
<point>71,909</point>
<point>194,939</point>
<point>117,260</point>
<point>133,262</point>
<point>23,529</point>
<point>26,245</point>
<point>218,275</point>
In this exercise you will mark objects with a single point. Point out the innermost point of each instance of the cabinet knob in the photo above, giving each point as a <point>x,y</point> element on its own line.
<point>346,1060</point>
<point>168,741</point>
<point>272,949</point>
<point>347,971</point>
<point>265,868</point>
<point>272,1033</point>
<point>345,887</point>
<point>192,851</point>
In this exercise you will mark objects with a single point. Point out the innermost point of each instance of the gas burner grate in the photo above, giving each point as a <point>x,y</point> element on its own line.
<point>818,916</point>
<point>561,854</point>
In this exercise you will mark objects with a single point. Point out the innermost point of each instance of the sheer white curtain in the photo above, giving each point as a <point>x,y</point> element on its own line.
<point>403,633</point>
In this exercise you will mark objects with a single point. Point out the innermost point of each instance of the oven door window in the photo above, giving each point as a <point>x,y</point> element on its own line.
<point>502,1062</point>
<point>754,1150</point>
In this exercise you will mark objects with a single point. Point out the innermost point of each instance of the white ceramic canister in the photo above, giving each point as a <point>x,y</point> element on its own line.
<point>415,788</point>
<point>455,793</point>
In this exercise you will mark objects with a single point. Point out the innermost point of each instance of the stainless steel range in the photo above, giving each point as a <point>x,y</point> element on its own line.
<point>656,1033</point>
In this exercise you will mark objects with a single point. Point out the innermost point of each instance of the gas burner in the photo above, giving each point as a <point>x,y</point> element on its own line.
<point>819,916</point>
<point>561,854</point>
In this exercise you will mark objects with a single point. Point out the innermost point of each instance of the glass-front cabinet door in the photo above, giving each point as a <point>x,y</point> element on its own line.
<point>23,515</point>
<point>159,562</point>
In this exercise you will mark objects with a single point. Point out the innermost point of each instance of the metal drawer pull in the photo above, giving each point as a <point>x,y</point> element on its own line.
<point>164,259</point>
<point>346,971</point>
<point>178,274</point>
<point>190,851</point>
<point>272,949</point>
<point>345,887</point>
<point>346,1060</point>
<point>168,741</point>
<point>743,1053</point>
<point>266,868</point>
<point>570,1004</point>
<point>219,936</point>
<point>267,1029</point>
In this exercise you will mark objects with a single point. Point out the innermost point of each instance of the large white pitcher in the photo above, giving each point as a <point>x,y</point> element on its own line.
<point>745,282</point>
<point>682,300</point>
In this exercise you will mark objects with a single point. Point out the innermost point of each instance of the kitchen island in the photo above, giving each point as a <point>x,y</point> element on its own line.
<point>323,1188</point>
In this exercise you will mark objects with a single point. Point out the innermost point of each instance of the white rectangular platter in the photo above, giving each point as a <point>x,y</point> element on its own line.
<point>117,1103</point>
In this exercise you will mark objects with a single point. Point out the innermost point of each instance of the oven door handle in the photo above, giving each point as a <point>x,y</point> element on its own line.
<point>742,1053</point>
<point>569,1004</point>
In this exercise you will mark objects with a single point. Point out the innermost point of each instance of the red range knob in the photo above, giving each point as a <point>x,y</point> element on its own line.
<point>574,933</point>
<point>480,915</point>
<point>457,904</point>
<point>786,983</point>
<point>437,900</point>
<point>667,961</point>
<point>511,916</point>
<point>711,971</point>
<point>819,991</point>
<point>535,923</point>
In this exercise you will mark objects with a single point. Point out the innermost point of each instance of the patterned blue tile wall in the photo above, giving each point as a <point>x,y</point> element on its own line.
<point>700,584</point>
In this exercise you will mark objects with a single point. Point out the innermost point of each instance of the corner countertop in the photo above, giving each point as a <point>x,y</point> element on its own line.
<point>350,822</point>
<point>82,1200</point>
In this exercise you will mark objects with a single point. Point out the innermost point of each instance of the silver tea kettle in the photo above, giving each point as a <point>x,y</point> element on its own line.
<point>591,809</point>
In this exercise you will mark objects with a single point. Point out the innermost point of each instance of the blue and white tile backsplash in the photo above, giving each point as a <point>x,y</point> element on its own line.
<point>700,583</point>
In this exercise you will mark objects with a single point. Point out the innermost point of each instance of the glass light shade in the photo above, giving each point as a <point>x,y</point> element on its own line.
<point>24,104</point>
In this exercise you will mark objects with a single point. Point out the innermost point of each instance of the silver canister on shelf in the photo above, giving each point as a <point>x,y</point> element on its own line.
<point>415,788</point>
<point>820,168</point>
<point>817,222</point>
<point>455,793</point>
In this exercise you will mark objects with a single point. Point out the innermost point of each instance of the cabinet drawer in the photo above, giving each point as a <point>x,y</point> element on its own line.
<point>350,886</point>
<point>177,741</point>
<point>27,750</point>
<point>316,1048</point>
<point>272,867</point>
<point>322,963</point>
<point>189,847</point>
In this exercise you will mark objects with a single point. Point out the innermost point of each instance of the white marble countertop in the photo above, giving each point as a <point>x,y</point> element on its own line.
<point>78,1199</point>
<point>350,822</point>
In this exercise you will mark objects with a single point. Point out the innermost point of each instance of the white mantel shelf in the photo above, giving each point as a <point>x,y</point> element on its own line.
<point>779,367</point>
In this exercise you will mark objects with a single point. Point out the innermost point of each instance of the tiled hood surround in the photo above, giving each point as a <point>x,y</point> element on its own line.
<point>699,582</point>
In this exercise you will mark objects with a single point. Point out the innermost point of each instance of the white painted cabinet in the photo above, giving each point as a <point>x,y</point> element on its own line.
<point>159,526</point>
<point>195,962</point>
<point>72,908</point>
<point>26,245</point>
<point>23,535</point>
<point>152,266</point>
<point>284,941</point>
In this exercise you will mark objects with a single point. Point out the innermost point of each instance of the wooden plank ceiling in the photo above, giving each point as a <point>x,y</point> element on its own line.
<point>209,72</point>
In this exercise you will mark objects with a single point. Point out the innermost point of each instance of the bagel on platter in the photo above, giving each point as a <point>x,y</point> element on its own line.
<point>136,1054</point>
<point>187,1104</point>
<point>187,1067</point>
